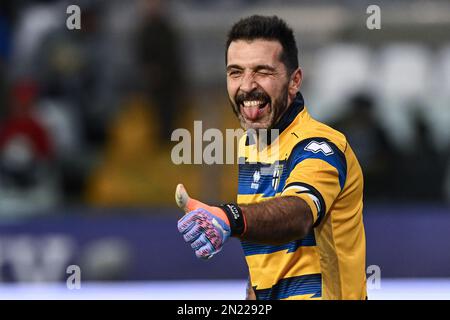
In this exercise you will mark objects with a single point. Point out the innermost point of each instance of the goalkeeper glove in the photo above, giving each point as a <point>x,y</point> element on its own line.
<point>206,228</point>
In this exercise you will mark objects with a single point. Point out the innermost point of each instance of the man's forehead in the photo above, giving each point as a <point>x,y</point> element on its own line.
<point>258,51</point>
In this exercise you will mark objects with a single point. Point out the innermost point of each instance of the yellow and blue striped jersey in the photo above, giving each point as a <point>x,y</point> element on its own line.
<point>314,162</point>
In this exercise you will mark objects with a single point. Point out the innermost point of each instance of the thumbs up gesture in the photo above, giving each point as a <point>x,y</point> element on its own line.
<point>206,228</point>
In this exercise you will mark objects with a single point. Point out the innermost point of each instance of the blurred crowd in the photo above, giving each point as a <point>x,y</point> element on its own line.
<point>86,115</point>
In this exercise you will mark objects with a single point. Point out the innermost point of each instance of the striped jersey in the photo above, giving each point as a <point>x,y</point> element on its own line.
<point>314,162</point>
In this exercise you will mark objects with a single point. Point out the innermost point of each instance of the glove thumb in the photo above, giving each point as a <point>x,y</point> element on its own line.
<point>187,204</point>
<point>184,201</point>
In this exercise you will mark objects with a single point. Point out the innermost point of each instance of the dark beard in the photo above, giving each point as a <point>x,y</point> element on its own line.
<point>279,108</point>
<point>234,107</point>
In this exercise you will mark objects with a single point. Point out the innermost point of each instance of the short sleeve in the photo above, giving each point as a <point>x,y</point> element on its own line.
<point>317,174</point>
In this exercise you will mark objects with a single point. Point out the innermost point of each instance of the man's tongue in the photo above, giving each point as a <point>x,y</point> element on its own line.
<point>251,113</point>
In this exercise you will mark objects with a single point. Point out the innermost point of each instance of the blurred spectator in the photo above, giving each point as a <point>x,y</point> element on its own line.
<point>26,181</point>
<point>375,152</point>
<point>70,68</point>
<point>389,173</point>
<point>35,19</point>
<point>63,126</point>
<point>6,20</point>
<point>3,89</point>
<point>69,64</point>
<point>447,181</point>
<point>135,170</point>
<point>423,170</point>
<point>159,56</point>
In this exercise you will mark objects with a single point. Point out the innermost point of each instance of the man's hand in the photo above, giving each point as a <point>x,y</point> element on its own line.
<point>206,228</point>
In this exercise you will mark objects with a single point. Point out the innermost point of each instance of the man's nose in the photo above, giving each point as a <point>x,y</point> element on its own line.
<point>248,83</point>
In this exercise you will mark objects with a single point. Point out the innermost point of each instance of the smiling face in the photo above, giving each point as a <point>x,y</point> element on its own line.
<point>259,86</point>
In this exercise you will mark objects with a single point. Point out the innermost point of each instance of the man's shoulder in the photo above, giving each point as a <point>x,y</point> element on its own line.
<point>312,129</point>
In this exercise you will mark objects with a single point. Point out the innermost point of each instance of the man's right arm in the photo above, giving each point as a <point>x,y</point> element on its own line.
<point>277,221</point>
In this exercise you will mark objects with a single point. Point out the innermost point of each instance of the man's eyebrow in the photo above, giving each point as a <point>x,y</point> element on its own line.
<point>264,67</point>
<point>234,66</point>
<point>256,68</point>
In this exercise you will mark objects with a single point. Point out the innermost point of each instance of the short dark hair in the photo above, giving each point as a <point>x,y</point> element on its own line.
<point>267,28</point>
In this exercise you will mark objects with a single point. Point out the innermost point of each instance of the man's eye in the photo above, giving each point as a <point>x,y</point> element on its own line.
<point>234,73</point>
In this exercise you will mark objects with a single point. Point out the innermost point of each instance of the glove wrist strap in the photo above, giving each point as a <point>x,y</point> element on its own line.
<point>235,218</point>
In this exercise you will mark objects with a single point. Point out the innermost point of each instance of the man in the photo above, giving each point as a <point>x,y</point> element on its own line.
<point>299,217</point>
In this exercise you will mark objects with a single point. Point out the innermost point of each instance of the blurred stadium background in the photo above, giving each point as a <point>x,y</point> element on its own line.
<point>86,117</point>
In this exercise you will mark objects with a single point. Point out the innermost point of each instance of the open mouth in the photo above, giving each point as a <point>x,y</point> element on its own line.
<point>254,109</point>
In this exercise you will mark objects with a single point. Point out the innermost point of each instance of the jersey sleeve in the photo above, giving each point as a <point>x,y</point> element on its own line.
<point>317,174</point>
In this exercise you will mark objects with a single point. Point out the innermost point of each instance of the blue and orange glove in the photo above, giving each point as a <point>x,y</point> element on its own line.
<point>206,228</point>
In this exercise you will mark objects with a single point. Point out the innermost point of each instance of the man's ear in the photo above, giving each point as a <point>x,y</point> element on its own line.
<point>296,81</point>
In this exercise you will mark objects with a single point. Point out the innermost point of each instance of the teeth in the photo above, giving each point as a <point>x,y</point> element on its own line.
<point>252,103</point>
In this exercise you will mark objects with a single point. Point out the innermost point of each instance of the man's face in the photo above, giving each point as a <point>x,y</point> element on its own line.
<point>257,82</point>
